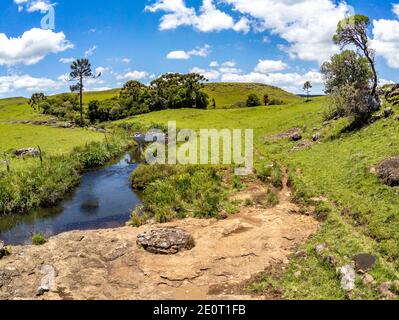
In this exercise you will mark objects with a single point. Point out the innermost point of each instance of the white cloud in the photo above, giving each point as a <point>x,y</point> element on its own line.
<point>209,18</point>
<point>67,60</point>
<point>230,70</point>
<point>126,60</point>
<point>101,70</point>
<point>184,55</point>
<point>13,83</point>
<point>133,75</point>
<point>267,66</point>
<point>395,9</point>
<point>178,55</point>
<point>209,74</point>
<point>34,5</point>
<point>214,64</point>
<point>89,52</point>
<point>307,25</point>
<point>386,40</point>
<point>229,64</point>
<point>33,46</point>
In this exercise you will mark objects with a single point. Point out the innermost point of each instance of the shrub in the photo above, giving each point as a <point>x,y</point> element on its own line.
<point>272,199</point>
<point>194,192</point>
<point>253,100</point>
<point>38,239</point>
<point>276,102</point>
<point>271,173</point>
<point>146,174</point>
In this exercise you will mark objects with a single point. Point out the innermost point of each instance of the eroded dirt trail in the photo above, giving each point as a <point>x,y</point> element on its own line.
<point>107,264</point>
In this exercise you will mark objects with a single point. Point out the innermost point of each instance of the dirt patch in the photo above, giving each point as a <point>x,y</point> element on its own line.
<point>108,264</point>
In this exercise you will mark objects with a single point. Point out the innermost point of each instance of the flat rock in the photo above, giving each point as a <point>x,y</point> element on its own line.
<point>165,240</point>
<point>30,152</point>
<point>364,261</point>
<point>388,171</point>
<point>348,277</point>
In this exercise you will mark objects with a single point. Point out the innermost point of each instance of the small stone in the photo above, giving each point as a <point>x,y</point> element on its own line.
<point>223,215</point>
<point>385,290</point>
<point>316,137</point>
<point>48,280</point>
<point>368,279</point>
<point>332,260</point>
<point>348,277</point>
<point>300,254</point>
<point>3,250</point>
<point>320,248</point>
<point>296,137</point>
<point>297,274</point>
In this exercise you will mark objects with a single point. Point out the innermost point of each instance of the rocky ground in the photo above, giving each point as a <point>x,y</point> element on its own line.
<point>108,264</point>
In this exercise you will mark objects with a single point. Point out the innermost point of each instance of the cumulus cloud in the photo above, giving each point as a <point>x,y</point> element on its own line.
<point>212,75</point>
<point>33,46</point>
<point>209,18</point>
<point>307,25</point>
<point>291,81</point>
<point>26,82</point>
<point>267,66</point>
<point>133,75</point>
<point>386,39</point>
<point>185,55</point>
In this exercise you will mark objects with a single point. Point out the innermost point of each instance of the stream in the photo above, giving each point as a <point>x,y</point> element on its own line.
<point>103,199</point>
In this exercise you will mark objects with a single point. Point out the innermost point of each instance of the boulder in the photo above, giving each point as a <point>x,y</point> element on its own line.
<point>388,171</point>
<point>388,112</point>
<point>364,261</point>
<point>30,152</point>
<point>47,282</point>
<point>165,241</point>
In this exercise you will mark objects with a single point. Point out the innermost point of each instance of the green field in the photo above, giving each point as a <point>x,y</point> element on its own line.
<point>363,214</point>
<point>338,168</point>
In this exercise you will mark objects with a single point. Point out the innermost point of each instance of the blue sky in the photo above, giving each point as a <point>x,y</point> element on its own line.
<point>278,42</point>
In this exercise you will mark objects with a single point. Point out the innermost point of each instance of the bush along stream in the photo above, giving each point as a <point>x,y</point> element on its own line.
<point>44,184</point>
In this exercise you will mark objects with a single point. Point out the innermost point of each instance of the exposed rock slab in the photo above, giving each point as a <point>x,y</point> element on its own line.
<point>108,264</point>
<point>27,152</point>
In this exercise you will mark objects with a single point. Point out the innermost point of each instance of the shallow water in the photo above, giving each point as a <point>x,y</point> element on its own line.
<point>103,199</point>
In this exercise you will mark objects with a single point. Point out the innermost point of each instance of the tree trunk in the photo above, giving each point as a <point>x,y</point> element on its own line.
<point>372,64</point>
<point>81,101</point>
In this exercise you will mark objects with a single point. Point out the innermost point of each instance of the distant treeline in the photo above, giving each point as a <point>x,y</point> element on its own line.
<point>169,91</point>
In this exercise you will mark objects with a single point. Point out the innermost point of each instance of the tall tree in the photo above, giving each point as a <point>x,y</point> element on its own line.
<point>306,87</point>
<point>353,31</point>
<point>36,99</point>
<point>81,70</point>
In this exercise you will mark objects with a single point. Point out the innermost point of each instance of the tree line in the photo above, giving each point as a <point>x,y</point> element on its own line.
<point>169,91</point>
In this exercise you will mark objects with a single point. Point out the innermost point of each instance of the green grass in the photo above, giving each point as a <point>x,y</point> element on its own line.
<point>339,169</point>
<point>362,214</point>
<point>18,109</point>
<point>228,94</point>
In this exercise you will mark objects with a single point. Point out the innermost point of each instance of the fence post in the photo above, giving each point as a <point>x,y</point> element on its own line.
<point>7,164</point>
<point>41,156</point>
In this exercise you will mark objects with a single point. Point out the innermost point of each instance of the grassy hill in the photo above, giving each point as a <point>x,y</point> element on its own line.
<point>227,95</point>
<point>363,214</point>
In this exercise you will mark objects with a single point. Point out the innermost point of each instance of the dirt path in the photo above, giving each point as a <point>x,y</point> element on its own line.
<point>107,264</point>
